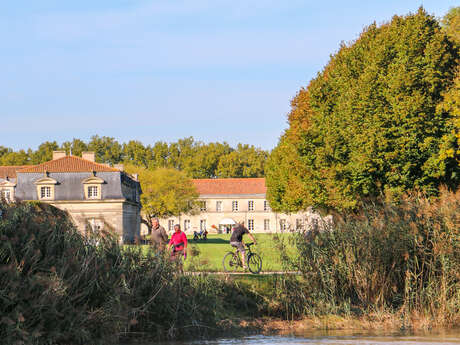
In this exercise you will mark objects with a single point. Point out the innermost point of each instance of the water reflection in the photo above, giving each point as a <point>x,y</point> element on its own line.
<point>332,338</point>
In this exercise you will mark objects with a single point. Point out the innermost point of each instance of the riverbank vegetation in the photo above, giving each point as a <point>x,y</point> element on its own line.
<point>58,287</point>
<point>389,258</point>
<point>389,261</point>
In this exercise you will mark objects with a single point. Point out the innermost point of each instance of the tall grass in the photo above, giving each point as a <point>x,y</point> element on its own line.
<point>403,258</point>
<point>57,287</point>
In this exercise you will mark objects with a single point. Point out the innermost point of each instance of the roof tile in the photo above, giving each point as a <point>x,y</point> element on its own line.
<point>68,164</point>
<point>10,170</point>
<point>221,186</point>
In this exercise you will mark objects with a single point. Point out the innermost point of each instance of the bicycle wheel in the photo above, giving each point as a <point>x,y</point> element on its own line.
<point>255,263</point>
<point>230,262</point>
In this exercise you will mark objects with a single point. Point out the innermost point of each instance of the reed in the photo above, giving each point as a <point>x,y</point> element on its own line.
<point>58,287</point>
<point>399,257</point>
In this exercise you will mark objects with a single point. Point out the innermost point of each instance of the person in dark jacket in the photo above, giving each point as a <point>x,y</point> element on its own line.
<point>159,237</point>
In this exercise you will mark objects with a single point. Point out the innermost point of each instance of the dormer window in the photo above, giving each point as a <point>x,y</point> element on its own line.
<point>45,192</point>
<point>93,192</point>
<point>92,187</point>
<point>45,188</point>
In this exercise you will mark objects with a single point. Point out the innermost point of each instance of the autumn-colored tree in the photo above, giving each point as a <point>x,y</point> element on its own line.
<point>370,122</point>
<point>165,192</point>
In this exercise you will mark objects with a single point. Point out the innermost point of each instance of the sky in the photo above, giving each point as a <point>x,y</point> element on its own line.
<point>217,70</point>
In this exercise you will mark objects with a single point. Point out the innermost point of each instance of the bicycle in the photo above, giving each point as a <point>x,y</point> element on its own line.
<point>232,260</point>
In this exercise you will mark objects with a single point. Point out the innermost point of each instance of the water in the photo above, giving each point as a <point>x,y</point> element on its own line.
<point>332,338</point>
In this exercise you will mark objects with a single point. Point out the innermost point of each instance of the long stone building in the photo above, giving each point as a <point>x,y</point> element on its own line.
<point>224,202</point>
<point>97,196</point>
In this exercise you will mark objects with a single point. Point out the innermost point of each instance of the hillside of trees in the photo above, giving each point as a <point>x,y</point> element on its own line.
<point>195,158</point>
<point>381,118</point>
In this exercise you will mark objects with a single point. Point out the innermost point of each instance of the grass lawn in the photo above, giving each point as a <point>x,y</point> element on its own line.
<point>207,255</point>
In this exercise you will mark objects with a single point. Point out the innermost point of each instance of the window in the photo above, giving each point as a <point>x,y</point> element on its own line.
<point>93,192</point>
<point>299,224</point>
<point>202,205</point>
<point>266,206</point>
<point>92,187</point>
<point>266,224</point>
<point>45,192</point>
<point>250,205</point>
<point>218,206</point>
<point>171,225</point>
<point>186,224</point>
<point>45,187</point>
<point>282,224</point>
<point>234,206</point>
<point>203,224</point>
<point>250,224</point>
<point>6,195</point>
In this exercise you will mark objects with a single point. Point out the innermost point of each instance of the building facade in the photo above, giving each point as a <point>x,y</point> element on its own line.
<point>97,197</point>
<point>225,202</point>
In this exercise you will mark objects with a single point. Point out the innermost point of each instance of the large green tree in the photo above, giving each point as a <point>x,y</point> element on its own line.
<point>165,192</point>
<point>370,122</point>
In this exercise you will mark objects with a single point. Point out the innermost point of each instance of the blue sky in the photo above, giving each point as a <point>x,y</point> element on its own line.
<point>164,70</point>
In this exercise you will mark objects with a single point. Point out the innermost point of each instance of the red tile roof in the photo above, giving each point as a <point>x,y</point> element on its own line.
<point>230,186</point>
<point>10,170</point>
<point>68,164</point>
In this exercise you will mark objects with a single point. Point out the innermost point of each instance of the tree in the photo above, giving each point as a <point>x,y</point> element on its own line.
<point>370,122</point>
<point>245,161</point>
<point>44,152</point>
<point>76,146</point>
<point>15,158</point>
<point>451,24</point>
<point>165,192</point>
<point>106,149</point>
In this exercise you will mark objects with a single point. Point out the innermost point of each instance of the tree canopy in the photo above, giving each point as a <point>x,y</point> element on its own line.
<point>372,121</point>
<point>195,158</point>
<point>165,192</point>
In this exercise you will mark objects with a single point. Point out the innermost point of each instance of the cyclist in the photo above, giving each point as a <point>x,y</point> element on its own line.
<point>236,240</point>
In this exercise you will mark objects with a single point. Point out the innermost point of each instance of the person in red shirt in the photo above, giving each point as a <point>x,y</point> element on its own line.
<point>179,243</point>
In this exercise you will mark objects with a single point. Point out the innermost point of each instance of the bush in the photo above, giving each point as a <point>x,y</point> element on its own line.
<point>56,287</point>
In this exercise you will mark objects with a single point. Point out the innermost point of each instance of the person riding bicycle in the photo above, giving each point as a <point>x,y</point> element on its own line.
<point>236,240</point>
<point>179,243</point>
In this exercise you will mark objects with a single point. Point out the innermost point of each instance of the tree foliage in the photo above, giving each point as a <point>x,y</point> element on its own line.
<point>371,121</point>
<point>165,192</point>
<point>195,158</point>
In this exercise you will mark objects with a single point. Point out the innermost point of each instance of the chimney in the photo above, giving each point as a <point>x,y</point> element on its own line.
<point>89,156</point>
<point>58,154</point>
<point>120,167</point>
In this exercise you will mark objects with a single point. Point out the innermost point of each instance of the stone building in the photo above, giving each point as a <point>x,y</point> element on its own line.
<point>97,196</point>
<point>224,202</point>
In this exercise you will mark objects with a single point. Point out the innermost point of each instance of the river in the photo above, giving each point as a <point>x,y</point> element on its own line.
<point>332,338</point>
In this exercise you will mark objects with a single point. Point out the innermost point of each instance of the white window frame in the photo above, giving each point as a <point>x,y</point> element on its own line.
<point>5,194</point>
<point>203,205</point>
<point>48,184</point>
<point>266,206</point>
<point>218,206</point>
<point>266,224</point>
<point>45,192</point>
<point>93,192</point>
<point>283,225</point>
<point>251,224</point>
<point>202,224</point>
<point>171,225</point>
<point>235,206</point>
<point>251,205</point>
<point>89,184</point>
<point>187,225</point>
